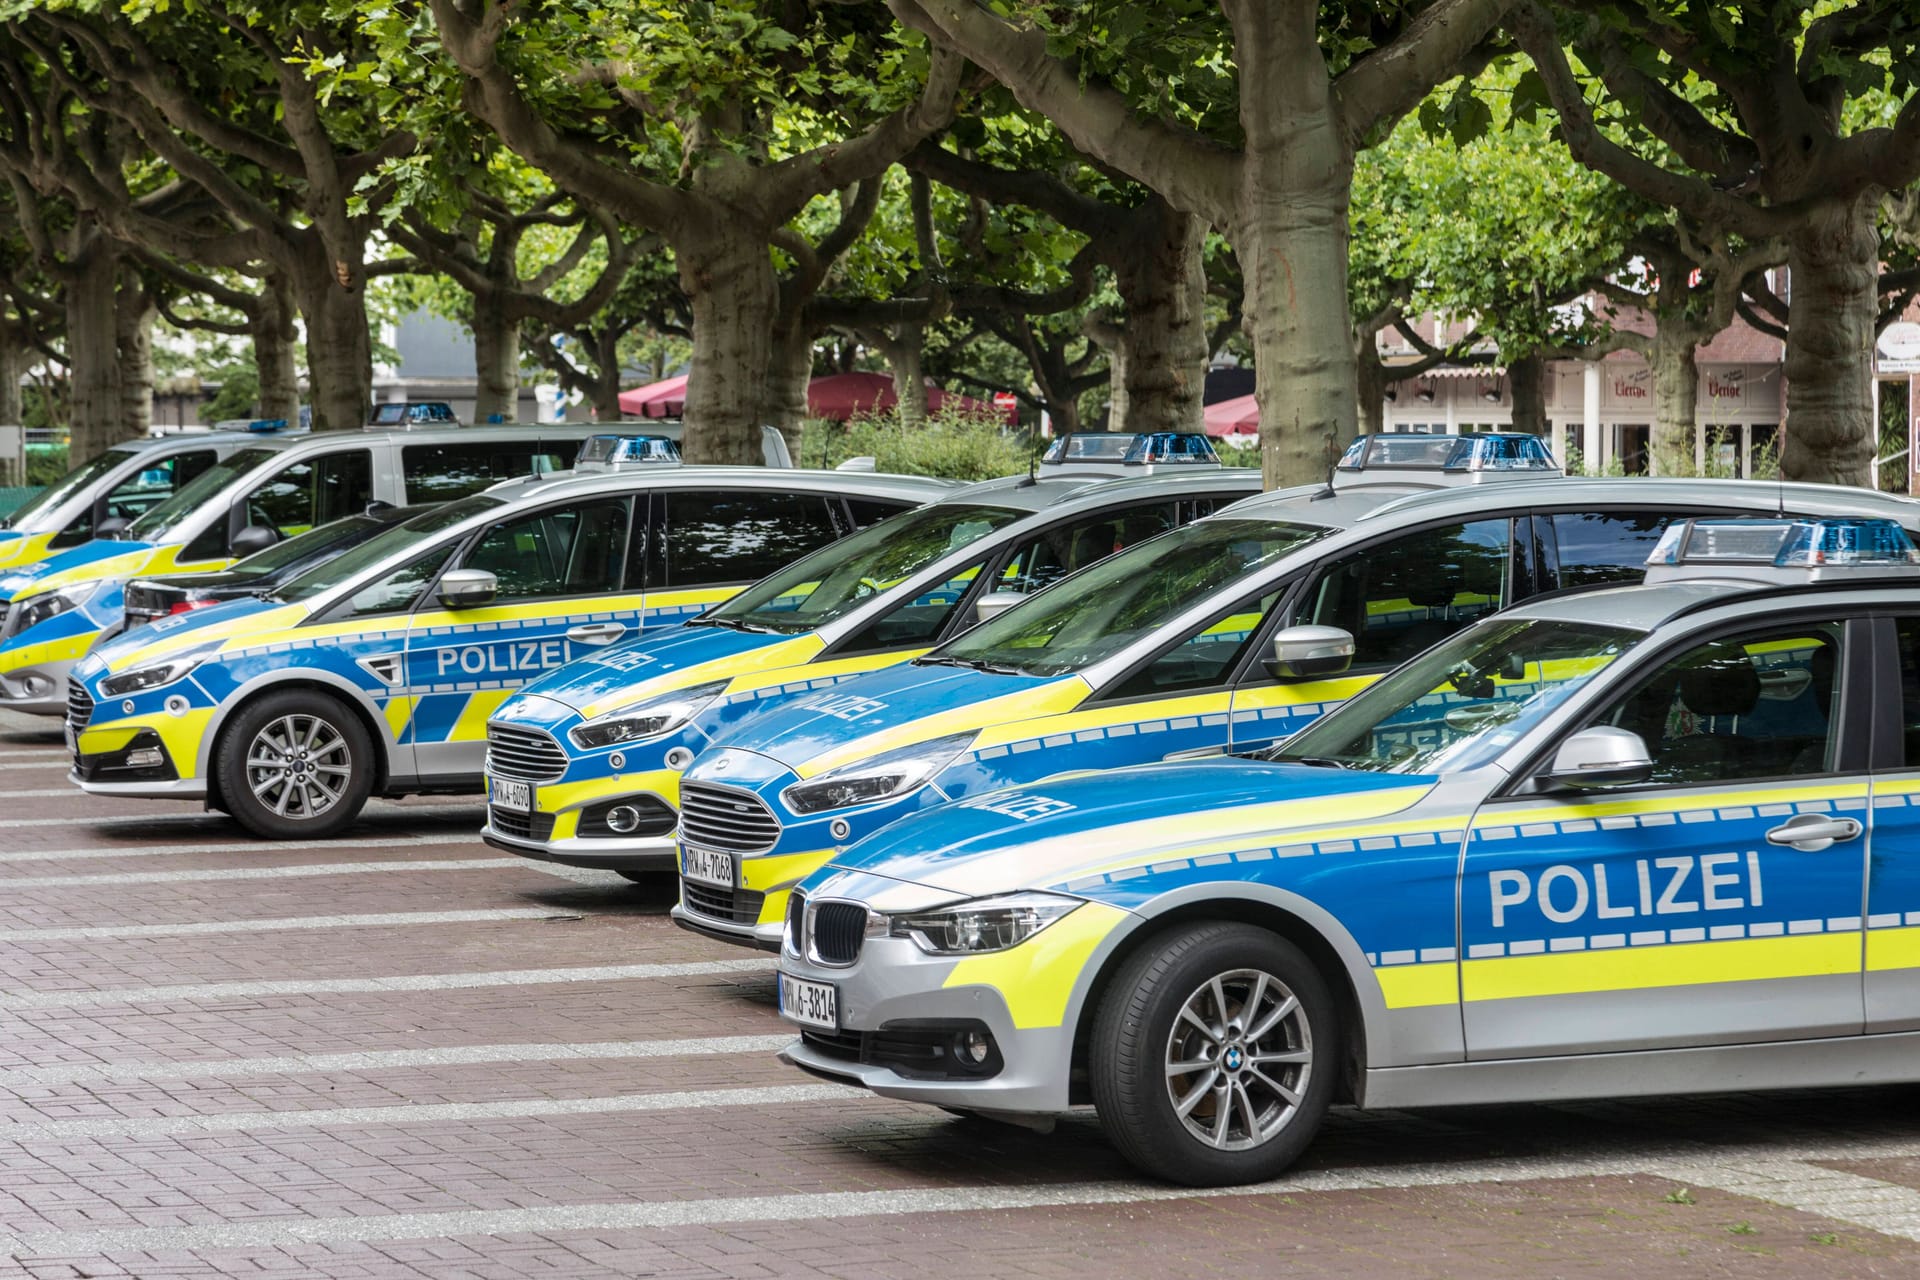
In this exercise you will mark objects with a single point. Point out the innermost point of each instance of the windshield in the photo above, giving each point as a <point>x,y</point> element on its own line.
<point>340,533</point>
<point>837,578</point>
<point>1460,704</point>
<point>1103,608</point>
<point>66,486</point>
<point>156,524</point>
<point>395,541</point>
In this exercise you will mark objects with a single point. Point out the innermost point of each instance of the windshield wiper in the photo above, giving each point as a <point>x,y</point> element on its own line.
<point>970,664</point>
<point>731,624</point>
<point>1314,762</point>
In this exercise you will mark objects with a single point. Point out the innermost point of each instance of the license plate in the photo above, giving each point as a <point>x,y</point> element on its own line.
<point>815,1004</point>
<point>513,795</point>
<point>707,866</point>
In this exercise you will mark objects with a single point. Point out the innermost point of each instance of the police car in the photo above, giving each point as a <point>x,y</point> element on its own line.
<point>1604,843</point>
<point>1163,651</point>
<point>107,492</point>
<point>1131,453</point>
<point>585,762</point>
<point>272,487</point>
<point>376,672</point>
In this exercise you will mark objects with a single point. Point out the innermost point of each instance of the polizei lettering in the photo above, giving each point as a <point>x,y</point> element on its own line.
<point>842,707</point>
<point>1023,806</point>
<point>1679,885</point>
<point>514,657</point>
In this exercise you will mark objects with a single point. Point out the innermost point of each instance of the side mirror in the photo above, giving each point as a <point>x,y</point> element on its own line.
<point>1310,652</point>
<point>1601,756</point>
<point>251,539</point>
<point>468,588</point>
<point>995,603</point>
<point>112,527</point>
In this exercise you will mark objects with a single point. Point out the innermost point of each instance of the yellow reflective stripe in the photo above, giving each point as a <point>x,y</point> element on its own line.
<point>1704,799</point>
<point>556,610</point>
<point>782,872</point>
<point>472,724</point>
<point>555,797</point>
<point>1025,704</point>
<point>1037,978</point>
<point>749,682</point>
<point>122,565</point>
<point>1684,964</point>
<point>693,595</point>
<point>398,712</point>
<point>773,907</point>
<point>1292,695</point>
<point>182,735</point>
<point>24,551</point>
<point>249,632</point>
<point>779,655</point>
<point>96,742</point>
<point>1041,726</point>
<point>1893,949</point>
<point>1418,986</point>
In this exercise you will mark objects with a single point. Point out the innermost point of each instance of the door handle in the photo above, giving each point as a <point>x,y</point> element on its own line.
<point>1811,832</point>
<point>597,632</point>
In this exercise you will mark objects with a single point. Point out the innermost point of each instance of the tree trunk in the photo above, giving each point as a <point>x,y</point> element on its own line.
<point>1370,383</point>
<point>789,370</point>
<point>339,349</point>
<point>496,361</point>
<point>1161,356</point>
<point>13,363</point>
<point>1676,395</point>
<point>1527,379</point>
<point>605,393</point>
<point>93,353</point>
<point>730,284</point>
<point>904,349</point>
<point>1834,260</point>
<point>1291,237</point>
<point>134,314</point>
<point>274,336</point>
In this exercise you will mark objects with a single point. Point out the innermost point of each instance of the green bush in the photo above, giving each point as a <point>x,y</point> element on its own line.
<point>951,445</point>
<point>45,464</point>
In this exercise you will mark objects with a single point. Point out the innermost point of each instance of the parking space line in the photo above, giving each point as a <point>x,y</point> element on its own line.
<point>261,873</point>
<point>375,809</point>
<point>40,793</point>
<point>251,848</point>
<point>411,1113</point>
<point>736,1210</point>
<point>19,1001</point>
<point>1885,1207</point>
<point>274,924</point>
<point>383,1060</point>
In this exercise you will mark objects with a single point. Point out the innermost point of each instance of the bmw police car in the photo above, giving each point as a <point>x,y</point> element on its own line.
<point>1605,843</point>
<point>375,673</point>
<point>1158,652</point>
<point>584,763</point>
<point>273,487</point>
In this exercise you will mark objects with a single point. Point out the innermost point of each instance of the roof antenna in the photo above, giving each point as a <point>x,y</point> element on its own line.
<point>1329,491</point>
<point>1033,468</point>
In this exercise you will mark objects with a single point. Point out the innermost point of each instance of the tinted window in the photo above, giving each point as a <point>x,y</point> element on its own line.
<point>442,472</point>
<point>154,483</point>
<point>868,511</point>
<point>400,590</point>
<point>312,492</point>
<point>193,496</point>
<point>1067,548</point>
<point>562,551</point>
<point>738,536</point>
<point>1206,657</point>
<point>1596,549</point>
<point>1398,597</point>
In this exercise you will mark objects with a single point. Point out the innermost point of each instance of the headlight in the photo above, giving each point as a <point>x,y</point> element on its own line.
<point>984,924</point>
<point>645,719</point>
<point>153,677</point>
<point>882,777</point>
<point>38,609</point>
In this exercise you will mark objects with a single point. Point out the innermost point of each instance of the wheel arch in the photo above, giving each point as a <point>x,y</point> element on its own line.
<point>288,681</point>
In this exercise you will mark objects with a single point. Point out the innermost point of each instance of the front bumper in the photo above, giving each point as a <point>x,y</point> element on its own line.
<point>38,686</point>
<point>753,912</point>
<point>529,835</point>
<point>101,754</point>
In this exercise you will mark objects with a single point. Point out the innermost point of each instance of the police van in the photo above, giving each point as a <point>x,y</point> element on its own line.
<point>1163,651</point>
<point>268,488</point>
<point>376,672</point>
<point>1603,843</point>
<point>584,763</point>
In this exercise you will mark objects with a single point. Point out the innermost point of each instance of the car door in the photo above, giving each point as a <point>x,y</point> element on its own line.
<point>1893,873</point>
<point>313,489</point>
<point>1716,903</point>
<point>562,572</point>
<point>707,544</point>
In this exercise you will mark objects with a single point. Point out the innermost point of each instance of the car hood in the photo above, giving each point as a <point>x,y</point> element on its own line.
<point>895,707</point>
<point>662,659</point>
<point>166,636</point>
<point>101,558</point>
<point>1081,833</point>
<point>17,544</point>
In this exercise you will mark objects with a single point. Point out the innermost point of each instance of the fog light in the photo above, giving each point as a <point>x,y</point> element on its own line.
<point>145,758</point>
<point>35,685</point>
<point>617,760</point>
<point>679,758</point>
<point>841,828</point>
<point>623,818</point>
<point>974,1046</point>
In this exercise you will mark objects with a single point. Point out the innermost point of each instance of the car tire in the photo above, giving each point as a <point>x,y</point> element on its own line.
<point>1274,1086</point>
<point>297,764</point>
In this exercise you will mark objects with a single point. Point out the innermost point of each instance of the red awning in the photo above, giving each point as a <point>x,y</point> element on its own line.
<point>1240,416</point>
<point>842,395</point>
<point>664,399</point>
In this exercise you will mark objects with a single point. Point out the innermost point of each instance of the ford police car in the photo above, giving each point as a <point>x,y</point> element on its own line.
<point>584,763</point>
<point>1605,843</point>
<point>1160,651</point>
<point>375,673</point>
<point>273,487</point>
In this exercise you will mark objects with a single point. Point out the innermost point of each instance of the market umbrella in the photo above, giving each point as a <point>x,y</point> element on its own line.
<point>842,395</point>
<point>664,399</point>
<point>1240,416</point>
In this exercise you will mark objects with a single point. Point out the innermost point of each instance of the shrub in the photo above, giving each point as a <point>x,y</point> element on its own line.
<point>951,444</point>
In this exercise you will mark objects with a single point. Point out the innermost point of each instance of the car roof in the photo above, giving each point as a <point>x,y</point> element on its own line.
<point>155,444</point>
<point>1094,489</point>
<point>680,476</point>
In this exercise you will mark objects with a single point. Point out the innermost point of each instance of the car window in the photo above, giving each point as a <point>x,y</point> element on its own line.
<point>443,472</point>
<point>718,536</point>
<point>1755,706</point>
<point>1401,596</point>
<point>1596,548</point>
<point>868,511</point>
<point>1206,657</point>
<point>400,590</point>
<point>559,551</point>
<point>156,481</point>
<point>1907,639</point>
<point>312,492</point>
<point>1053,553</point>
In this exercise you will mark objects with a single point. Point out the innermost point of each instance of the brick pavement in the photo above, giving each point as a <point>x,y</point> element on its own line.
<point>224,1058</point>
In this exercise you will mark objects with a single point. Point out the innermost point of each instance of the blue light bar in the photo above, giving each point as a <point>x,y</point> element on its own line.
<point>597,452</point>
<point>267,424</point>
<point>1840,542</point>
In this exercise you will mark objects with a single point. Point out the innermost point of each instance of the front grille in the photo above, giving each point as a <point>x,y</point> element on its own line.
<point>537,827</point>
<point>735,906</point>
<point>838,928</point>
<point>79,705</point>
<point>796,922</point>
<point>524,754</point>
<point>6,607</point>
<point>722,818</point>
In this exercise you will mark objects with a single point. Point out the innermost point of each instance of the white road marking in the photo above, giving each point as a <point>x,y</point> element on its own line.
<point>1885,1207</point>
<point>722,1211</point>
<point>260,873</point>
<point>411,1113</point>
<point>382,1060</point>
<point>16,1001</point>
<point>275,924</point>
<point>250,848</point>
<point>40,793</point>
<point>51,752</point>
<point>376,809</point>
